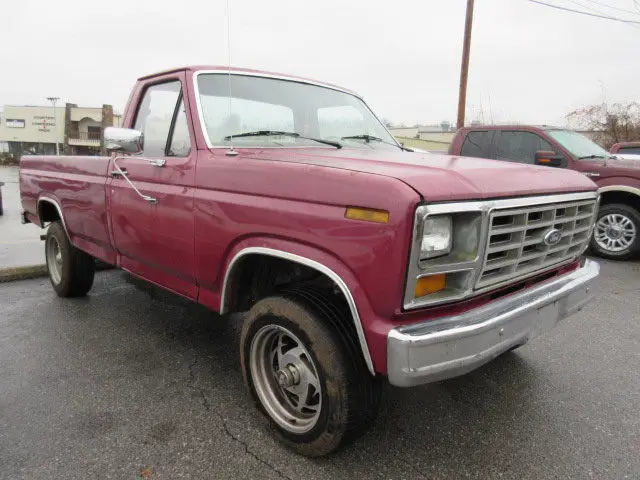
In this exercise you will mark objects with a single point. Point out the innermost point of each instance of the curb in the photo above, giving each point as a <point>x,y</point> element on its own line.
<point>13,274</point>
<point>22,273</point>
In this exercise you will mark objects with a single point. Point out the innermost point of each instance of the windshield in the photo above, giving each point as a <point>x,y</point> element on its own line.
<point>578,144</point>
<point>262,107</point>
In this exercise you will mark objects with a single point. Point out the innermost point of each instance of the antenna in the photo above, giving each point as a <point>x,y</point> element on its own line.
<point>230,152</point>
<point>491,109</point>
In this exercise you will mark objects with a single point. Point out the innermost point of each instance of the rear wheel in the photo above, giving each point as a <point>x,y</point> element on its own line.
<point>304,374</point>
<point>617,232</point>
<point>71,270</point>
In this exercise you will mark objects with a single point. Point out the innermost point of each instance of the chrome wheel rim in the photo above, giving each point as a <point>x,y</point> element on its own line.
<point>615,232</point>
<point>54,260</point>
<point>285,378</point>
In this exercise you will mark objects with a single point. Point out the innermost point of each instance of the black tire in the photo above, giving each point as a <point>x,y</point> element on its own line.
<point>71,273</point>
<point>619,210</point>
<point>350,394</point>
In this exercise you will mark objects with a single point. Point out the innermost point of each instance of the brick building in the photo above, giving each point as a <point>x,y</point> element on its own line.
<point>36,129</point>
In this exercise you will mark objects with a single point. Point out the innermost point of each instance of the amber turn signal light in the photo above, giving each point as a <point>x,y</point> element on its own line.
<point>367,215</point>
<point>430,284</point>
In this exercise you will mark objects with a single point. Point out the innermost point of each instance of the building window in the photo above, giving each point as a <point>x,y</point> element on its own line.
<point>93,133</point>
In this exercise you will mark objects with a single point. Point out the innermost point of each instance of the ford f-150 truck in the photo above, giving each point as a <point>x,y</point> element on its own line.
<point>617,232</point>
<point>349,258</point>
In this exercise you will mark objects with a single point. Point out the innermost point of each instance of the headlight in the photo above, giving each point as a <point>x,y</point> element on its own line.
<point>466,234</point>
<point>437,237</point>
<point>446,253</point>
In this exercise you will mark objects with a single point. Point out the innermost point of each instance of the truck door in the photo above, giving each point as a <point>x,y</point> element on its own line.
<point>152,217</point>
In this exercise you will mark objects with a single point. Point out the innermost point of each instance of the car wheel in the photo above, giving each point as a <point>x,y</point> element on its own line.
<point>617,232</point>
<point>71,271</point>
<point>304,374</point>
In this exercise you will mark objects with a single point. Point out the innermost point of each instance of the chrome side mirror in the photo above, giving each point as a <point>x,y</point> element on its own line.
<point>124,140</point>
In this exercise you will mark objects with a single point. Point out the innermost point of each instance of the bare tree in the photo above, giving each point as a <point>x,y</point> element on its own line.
<point>618,122</point>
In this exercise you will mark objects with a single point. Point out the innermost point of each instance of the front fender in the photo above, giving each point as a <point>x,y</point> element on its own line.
<point>359,305</point>
<point>620,184</point>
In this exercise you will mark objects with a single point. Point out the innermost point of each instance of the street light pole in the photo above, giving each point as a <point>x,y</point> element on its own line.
<point>464,69</point>
<point>53,101</point>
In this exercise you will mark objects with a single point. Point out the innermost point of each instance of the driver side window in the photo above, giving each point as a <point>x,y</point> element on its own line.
<point>521,147</point>
<point>161,115</point>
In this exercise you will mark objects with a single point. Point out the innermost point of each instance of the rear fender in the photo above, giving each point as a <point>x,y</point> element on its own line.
<point>53,201</point>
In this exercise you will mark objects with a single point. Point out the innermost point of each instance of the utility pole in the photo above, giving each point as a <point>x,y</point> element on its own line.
<point>53,101</point>
<point>464,68</point>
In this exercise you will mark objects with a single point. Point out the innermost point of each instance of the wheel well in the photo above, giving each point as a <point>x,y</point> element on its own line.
<point>47,212</point>
<point>626,198</point>
<point>256,276</point>
<point>262,272</point>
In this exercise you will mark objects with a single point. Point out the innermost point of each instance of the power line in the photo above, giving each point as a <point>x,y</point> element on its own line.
<point>599,12</point>
<point>611,7</point>
<point>585,6</point>
<point>604,5</point>
<point>606,17</point>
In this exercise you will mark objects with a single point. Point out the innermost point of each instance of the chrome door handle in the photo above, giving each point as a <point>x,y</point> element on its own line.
<point>157,162</point>
<point>122,172</point>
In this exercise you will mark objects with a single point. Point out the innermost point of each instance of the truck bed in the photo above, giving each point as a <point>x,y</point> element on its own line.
<point>77,185</point>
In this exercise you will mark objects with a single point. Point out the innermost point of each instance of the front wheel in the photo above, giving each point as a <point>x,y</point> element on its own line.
<point>71,271</point>
<point>617,232</point>
<point>304,375</point>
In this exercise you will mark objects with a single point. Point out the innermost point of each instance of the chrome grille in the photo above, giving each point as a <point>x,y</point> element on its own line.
<point>516,247</point>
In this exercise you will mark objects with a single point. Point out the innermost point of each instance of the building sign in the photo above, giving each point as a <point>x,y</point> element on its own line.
<point>14,123</point>
<point>43,122</point>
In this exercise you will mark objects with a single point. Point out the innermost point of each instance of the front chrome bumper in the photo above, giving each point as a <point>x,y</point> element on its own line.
<point>448,347</point>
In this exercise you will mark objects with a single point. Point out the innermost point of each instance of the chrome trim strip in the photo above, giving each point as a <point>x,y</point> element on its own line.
<point>55,204</point>
<point>444,348</point>
<point>316,266</point>
<point>276,77</point>
<point>620,188</point>
<point>417,268</point>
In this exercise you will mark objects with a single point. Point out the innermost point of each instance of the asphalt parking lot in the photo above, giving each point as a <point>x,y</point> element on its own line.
<point>128,381</point>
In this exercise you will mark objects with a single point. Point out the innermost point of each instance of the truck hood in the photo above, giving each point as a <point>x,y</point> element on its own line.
<point>442,177</point>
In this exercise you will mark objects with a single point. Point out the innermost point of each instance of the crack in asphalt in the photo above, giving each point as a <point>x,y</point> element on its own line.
<point>225,426</point>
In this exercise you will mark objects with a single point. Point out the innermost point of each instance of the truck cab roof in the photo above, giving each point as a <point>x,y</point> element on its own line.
<point>527,127</point>
<point>243,71</point>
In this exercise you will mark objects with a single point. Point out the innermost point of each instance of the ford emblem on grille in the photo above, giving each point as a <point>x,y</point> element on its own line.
<point>552,237</point>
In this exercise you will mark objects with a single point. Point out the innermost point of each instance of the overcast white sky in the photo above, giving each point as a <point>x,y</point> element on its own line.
<point>529,63</point>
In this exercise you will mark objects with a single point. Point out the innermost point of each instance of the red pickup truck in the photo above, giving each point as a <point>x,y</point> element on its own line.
<point>350,258</point>
<point>617,232</point>
<point>622,148</point>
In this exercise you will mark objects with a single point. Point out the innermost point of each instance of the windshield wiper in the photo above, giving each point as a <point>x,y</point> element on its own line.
<point>274,133</point>
<point>587,157</point>
<point>371,138</point>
